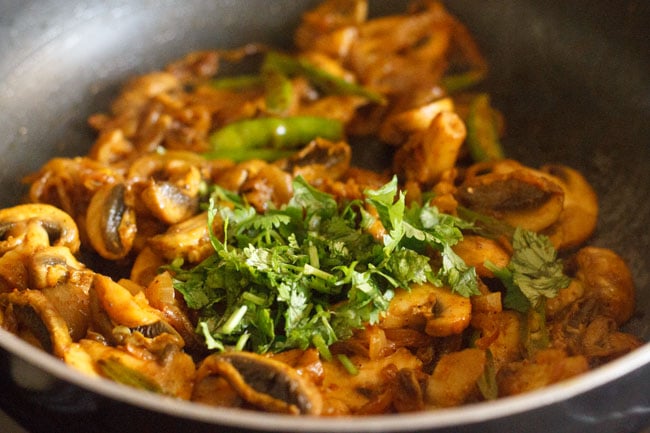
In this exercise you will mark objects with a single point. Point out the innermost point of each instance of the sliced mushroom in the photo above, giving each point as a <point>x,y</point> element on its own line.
<point>40,224</point>
<point>30,314</point>
<point>145,267</point>
<point>454,378</point>
<point>516,194</point>
<point>71,300</point>
<point>188,240</point>
<point>110,222</point>
<point>51,266</point>
<point>162,296</point>
<point>116,312</point>
<point>398,127</point>
<point>269,187</point>
<point>436,309</point>
<point>606,278</point>
<point>580,212</point>
<point>476,250</point>
<point>14,273</point>
<point>429,154</point>
<point>169,202</point>
<point>264,382</point>
<point>451,313</point>
<point>168,184</point>
<point>320,159</point>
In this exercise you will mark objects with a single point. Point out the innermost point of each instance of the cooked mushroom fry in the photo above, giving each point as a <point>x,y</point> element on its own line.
<point>237,205</point>
<point>264,382</point>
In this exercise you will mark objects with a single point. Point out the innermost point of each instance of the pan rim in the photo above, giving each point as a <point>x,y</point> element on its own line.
<point>260,421</point>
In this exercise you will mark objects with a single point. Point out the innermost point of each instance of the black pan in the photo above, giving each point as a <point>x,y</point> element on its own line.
<point>571,76</point>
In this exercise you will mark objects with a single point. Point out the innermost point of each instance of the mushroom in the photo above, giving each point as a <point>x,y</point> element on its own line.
<point>580,212</point>
<point>169,202</point>
<point>116,312</point>
<point>110,222</point>
<point>518,195</point>
<point>454,379</point>
<point>398,127</point>
<point>436,309</point>
<point>427,155</point>
<point>189,240</point>
<point>168,184</point>
<point>40,224</point>
<point>51,266</point>
<point>29,314</point>
<point>264,382</point>
<point>320,159</point>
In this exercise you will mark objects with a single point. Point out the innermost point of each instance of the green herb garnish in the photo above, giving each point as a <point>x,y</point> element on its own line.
<point>308,274</point>
<point>534,271</point>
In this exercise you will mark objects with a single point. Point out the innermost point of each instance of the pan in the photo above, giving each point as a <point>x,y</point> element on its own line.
<point>571,76</point>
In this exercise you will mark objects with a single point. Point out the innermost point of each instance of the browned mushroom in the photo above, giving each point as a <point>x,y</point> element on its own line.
<point>320,159</point>
<point>29,314</point>
<point>454,378</point>
<point>168,184</point>
<point>110,222</point>
<point>580,212</point>
<point>39,224</point>
<point>430,153</point>
<point>116,312</point>
<point>188,240</point>
<point>518,195</point>
<point>264,382</point>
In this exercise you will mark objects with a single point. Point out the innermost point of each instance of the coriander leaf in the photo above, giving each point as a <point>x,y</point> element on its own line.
<point>534,271</point>
<point>309,273</point>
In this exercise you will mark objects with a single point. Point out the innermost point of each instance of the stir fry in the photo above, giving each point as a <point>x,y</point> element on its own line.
<point>218,244</point>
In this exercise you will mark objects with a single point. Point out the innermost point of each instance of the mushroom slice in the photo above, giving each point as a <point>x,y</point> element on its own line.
<point>264,382</point>
<point>113,308</point>
<point>110,222</point>
<point>168,202</point>
<point>399,126</point>
<point>427,155</point>
<point>71,300</point>
<point>189,240</point>
<point>168,185</point>
<point>51,266</point>
<point>28,313</point>
<point>580,213</point>
<point>516,194</point>
<point>18,223</point>
<point>320,159</point>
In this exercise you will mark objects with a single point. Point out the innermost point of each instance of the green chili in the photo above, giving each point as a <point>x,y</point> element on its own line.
<point>323,80</point>
<point>117,371</point>
<point>237,82</point>
<point>278,92</point>
<point>270,138</point>
<point>456,82</point>
<point>482,131</point>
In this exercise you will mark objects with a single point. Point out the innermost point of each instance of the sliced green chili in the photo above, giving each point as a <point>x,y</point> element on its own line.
<point>323,80</point>
<point>456,82</point>
<point>117,371</point>
<point>278,92</point>
<point>270,138</point>
<point>237,82</point>
<point>482,131</point>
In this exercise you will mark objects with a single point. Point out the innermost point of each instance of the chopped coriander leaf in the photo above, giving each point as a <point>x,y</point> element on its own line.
<point>534,271</point>
<point>308,274</point>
